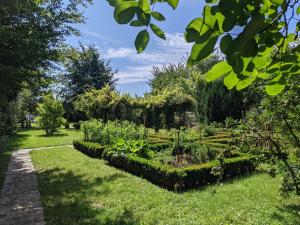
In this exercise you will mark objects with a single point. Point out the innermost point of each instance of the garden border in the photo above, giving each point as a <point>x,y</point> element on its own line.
<point>166,176</point>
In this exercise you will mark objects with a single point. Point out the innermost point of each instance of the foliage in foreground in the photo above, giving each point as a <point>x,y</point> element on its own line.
<point>254,37</point>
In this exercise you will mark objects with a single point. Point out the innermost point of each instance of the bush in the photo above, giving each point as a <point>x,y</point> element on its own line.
<point>107,133</point>
<point>91,149</point>
<point>67,125</point>
<point>179,179</point>
<point>50,114</point>
<point>210,131</point>
<point>76,126</point>
<point>159,146</point>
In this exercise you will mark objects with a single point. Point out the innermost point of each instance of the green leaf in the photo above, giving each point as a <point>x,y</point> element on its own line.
<point>173,3</point>
<point>217,71</point>
<point>276,85</point>
<point>277,2</point>
<point>159,32</point>
<point>143,17</point>
<point>231,80</point>
<point>228,23</point>
<point>245,83</point>
<point>144,5</point>
<point>197,31</point>
<point>136,23</point>
<point>208,18</point>
<point>141,41</point>
<point>158,16</point>
<point>125,12</point>
<point>211,1</point>
<point>202,50</point>
<point>298,10</point>
<point>225,43</point>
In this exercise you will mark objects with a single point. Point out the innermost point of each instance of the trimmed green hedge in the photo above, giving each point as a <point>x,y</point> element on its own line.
<point>180,179</point>
<point>91,149</point>
<point>167,176</point>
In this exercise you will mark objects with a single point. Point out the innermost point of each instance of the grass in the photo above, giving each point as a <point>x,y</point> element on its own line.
<point>79,190</point>
<point>31,138</point>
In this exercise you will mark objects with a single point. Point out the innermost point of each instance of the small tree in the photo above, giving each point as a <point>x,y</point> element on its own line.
<point>50,113</point>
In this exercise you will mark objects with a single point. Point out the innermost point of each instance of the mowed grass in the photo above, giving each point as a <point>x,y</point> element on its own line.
<point>32,138</point>
<point>79,190</point>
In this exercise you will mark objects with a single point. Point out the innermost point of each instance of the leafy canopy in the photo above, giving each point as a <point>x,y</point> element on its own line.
<point>253,35</point>
<point>50,112</point>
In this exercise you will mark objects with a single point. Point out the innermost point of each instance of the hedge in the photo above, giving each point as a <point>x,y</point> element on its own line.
<point>167,176</point>
<point>180,179</point>
<point>91,149</point>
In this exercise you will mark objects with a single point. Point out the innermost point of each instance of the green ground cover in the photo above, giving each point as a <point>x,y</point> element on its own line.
<point>32,138</point>
<point>77,189</point>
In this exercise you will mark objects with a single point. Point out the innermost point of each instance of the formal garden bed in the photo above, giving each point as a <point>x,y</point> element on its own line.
<point>176,160</point>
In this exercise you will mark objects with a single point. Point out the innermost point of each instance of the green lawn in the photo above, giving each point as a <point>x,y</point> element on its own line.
<point>79,190</point>
<point>32,138</point>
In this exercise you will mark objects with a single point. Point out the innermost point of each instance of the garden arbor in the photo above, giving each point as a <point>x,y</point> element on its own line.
<point>109,104</point>
<point>166,102</point>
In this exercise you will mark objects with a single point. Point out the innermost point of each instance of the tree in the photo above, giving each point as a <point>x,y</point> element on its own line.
<point>214,102</point>
<point>50,114</point>
<point>273,127</point>
<point>31,33</point>
<point>98,103</point>
<point>249,32</point>
<point>85,69</point>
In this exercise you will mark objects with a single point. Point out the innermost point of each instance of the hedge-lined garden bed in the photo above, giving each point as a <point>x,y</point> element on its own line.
<point>91,149</point>
<point>168,176</point>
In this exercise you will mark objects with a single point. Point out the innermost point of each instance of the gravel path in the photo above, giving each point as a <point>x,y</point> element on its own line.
<point>20,202</point>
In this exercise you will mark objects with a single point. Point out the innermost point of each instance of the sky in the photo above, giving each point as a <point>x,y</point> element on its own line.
<point>116,42</point>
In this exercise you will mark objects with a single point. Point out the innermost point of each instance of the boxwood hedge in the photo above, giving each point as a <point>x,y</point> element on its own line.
<point>180,179</point>
<point>91,149</point>
<point>167,176</point>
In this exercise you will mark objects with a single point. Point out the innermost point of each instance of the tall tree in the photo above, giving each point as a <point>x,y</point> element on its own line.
<point>85,70</point>
<point>31,34</point>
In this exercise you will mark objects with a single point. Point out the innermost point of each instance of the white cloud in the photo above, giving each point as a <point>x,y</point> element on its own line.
<point>172,50</point>
<point>112,53</point>
<point>176,42</point>
<point>135,74</point>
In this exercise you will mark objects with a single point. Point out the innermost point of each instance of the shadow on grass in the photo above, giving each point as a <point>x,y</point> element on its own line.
<point>67,199</point>
<point>292,210</point>
<point>53,135</point>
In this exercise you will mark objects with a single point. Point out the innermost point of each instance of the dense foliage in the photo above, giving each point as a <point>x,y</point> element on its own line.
<point>50,114</point>
<point>84,70</point>
<point>213,101</point>
<point>31,33</point>
<point>249,32</point>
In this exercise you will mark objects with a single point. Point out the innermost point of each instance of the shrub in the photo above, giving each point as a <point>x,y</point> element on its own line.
<point>76,125</point>
<point>50,112</point>
<point>124,147</point>
<point>67,125</point>
<point>108,133</point>
<point>91,149</point>
<point>179,179</point>
<point>159,146</point>
<point>210,131</point>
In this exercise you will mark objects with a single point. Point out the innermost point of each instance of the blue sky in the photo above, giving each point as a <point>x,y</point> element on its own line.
<point>116,42</point>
